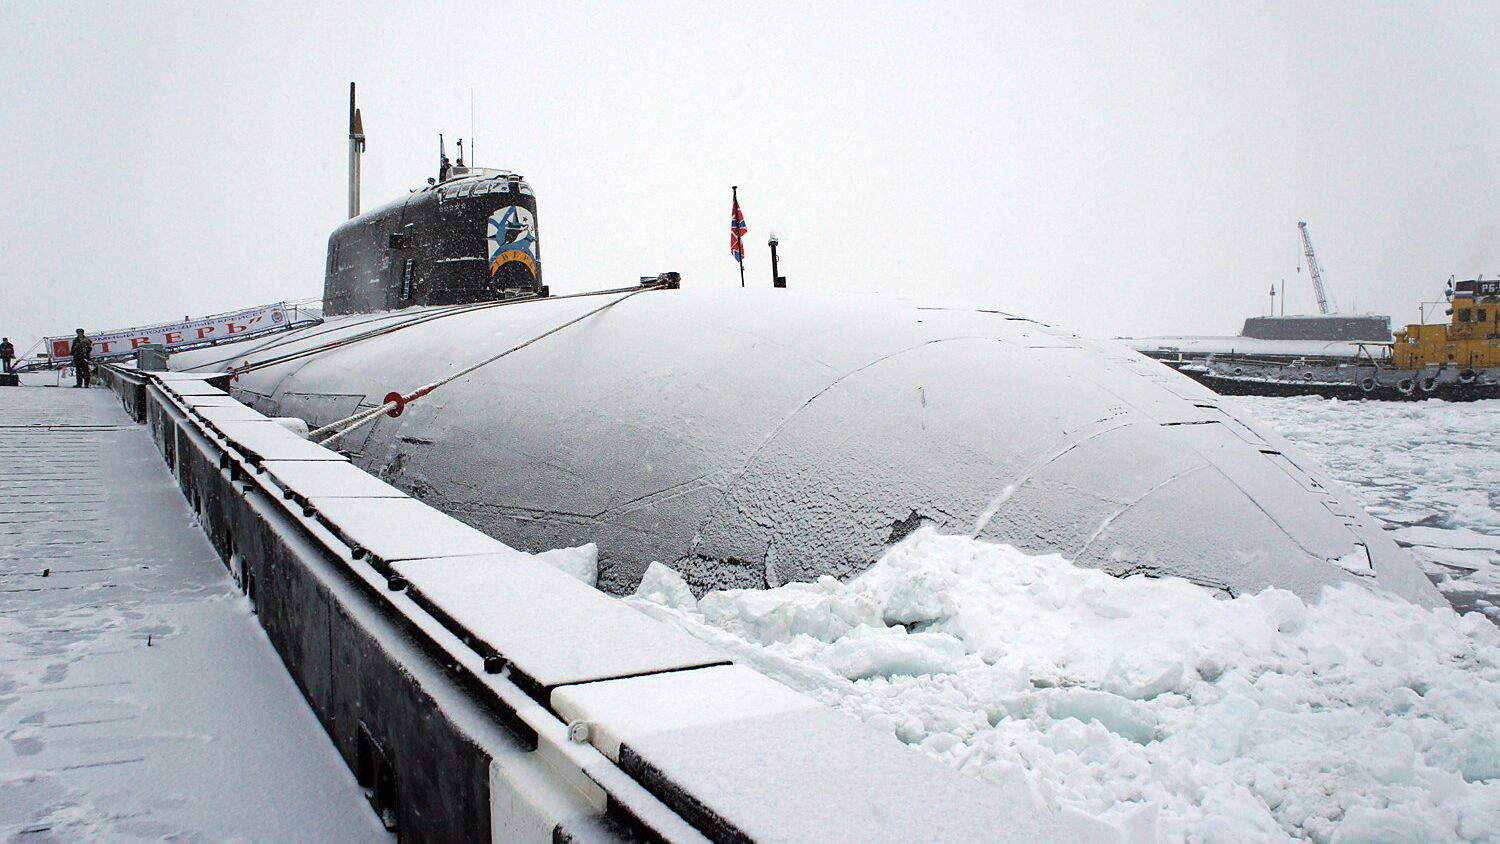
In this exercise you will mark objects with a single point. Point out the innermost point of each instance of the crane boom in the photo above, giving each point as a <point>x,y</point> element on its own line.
<point>1315,271</point>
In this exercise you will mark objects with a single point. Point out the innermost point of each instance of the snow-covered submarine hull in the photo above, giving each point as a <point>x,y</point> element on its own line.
<point>749,438</point>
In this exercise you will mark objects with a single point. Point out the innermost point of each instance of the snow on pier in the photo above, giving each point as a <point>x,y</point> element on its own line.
<point>139,699</point>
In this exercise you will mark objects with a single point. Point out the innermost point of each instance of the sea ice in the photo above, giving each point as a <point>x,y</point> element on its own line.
<point>1152,704</point>
<point>1429,469</point>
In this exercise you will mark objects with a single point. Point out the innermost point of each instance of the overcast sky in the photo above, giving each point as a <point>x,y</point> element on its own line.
<point>1117,171</point>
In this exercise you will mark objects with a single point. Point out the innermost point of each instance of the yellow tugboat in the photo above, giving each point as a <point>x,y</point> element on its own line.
<point>1458,360</point>
<point>1469,343</point>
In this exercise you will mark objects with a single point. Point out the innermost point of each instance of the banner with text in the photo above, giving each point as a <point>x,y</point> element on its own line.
<point>235,326</point>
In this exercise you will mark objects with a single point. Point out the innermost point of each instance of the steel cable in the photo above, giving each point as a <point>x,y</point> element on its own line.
<point>335,431</point>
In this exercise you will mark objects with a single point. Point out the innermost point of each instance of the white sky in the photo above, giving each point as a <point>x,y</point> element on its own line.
<point>1115,171</point>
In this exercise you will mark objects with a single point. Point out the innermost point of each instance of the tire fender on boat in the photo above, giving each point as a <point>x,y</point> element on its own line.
<point>1368,385</point>
<point>1429,383</point>
<point>1467,376</point>
<point>1405,386</point>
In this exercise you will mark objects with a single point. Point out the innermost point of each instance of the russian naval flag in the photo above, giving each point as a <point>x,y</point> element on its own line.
<point>737,229</point>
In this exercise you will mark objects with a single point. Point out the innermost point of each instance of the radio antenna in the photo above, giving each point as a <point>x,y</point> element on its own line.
<point>473,159</point>
<point>356,148</point>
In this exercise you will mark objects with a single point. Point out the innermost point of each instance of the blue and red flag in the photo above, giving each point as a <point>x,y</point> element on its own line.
<point>737,229</point>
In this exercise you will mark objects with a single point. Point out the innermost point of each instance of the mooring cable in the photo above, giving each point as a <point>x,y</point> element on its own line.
<point>418,319</point>
<point>391,318</point>
<point>395,402</point>
<point>415,319</point>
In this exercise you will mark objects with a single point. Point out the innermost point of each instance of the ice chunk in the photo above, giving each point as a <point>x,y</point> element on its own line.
<point>1143,674</point>
<point>885,652</point>
<point>581,562</point>
<point>1369,825</point>
<point>293,424</point>
<point>1114,713</point>
<point>922,596</point>
<point>661,585</point>
<point>1473,755</point>
<point>825,610</point>
<point>1459,538</point>
<point>1392,756</point>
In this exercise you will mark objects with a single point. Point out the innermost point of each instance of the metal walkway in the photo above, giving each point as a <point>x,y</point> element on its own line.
<point>139,700</point>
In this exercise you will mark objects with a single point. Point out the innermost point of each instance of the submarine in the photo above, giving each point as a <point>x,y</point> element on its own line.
<point>753,437</point>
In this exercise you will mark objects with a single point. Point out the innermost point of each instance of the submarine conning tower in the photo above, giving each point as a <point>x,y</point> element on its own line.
<point>468,236</point>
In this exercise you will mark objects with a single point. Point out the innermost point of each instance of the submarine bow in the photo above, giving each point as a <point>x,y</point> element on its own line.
<point>752,438</point>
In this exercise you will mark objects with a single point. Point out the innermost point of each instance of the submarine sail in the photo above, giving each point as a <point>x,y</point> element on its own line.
<point>471,237</point>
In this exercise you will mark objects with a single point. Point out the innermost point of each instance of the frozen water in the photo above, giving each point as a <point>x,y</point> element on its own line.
<point>1429,469</point>
<point>1155,705</point>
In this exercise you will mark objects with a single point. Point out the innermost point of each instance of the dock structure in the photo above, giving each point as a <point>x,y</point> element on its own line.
<point>474,692</point>
<point>139,698</point>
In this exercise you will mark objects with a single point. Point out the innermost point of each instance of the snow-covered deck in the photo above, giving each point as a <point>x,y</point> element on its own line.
<point>138,697</point>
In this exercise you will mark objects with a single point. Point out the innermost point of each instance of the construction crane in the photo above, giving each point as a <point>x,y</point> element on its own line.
<point>1316,272</point>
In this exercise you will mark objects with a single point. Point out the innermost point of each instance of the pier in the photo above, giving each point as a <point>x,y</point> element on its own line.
<point>471,691</point>
<point>138,695</point>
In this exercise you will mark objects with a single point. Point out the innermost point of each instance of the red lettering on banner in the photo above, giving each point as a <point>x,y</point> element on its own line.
<point>205,331</point>
<point>104,346</point>
<point>137,342</point>
<point>173,337</point>
<point>234,329</point>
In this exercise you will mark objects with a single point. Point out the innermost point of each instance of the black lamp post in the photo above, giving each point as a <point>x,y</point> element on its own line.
<point>777,280</point>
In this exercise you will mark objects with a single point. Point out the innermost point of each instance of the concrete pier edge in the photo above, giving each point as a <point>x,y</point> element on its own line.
<point>461,736</point>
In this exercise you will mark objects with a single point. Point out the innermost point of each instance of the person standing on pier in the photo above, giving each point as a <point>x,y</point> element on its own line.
<point>7,352</point>
<point>82,349</point>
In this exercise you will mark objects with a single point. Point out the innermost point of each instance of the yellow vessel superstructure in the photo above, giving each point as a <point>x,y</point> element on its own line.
<point>1469,342</point>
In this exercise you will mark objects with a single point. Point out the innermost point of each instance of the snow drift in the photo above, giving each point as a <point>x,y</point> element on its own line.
<point>1149,703</point>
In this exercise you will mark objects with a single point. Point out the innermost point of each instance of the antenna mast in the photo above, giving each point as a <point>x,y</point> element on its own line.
<point>1315,271</point>
<point>356,148</point>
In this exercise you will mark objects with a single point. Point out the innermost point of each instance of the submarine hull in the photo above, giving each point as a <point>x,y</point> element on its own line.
<point>752,438</point>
